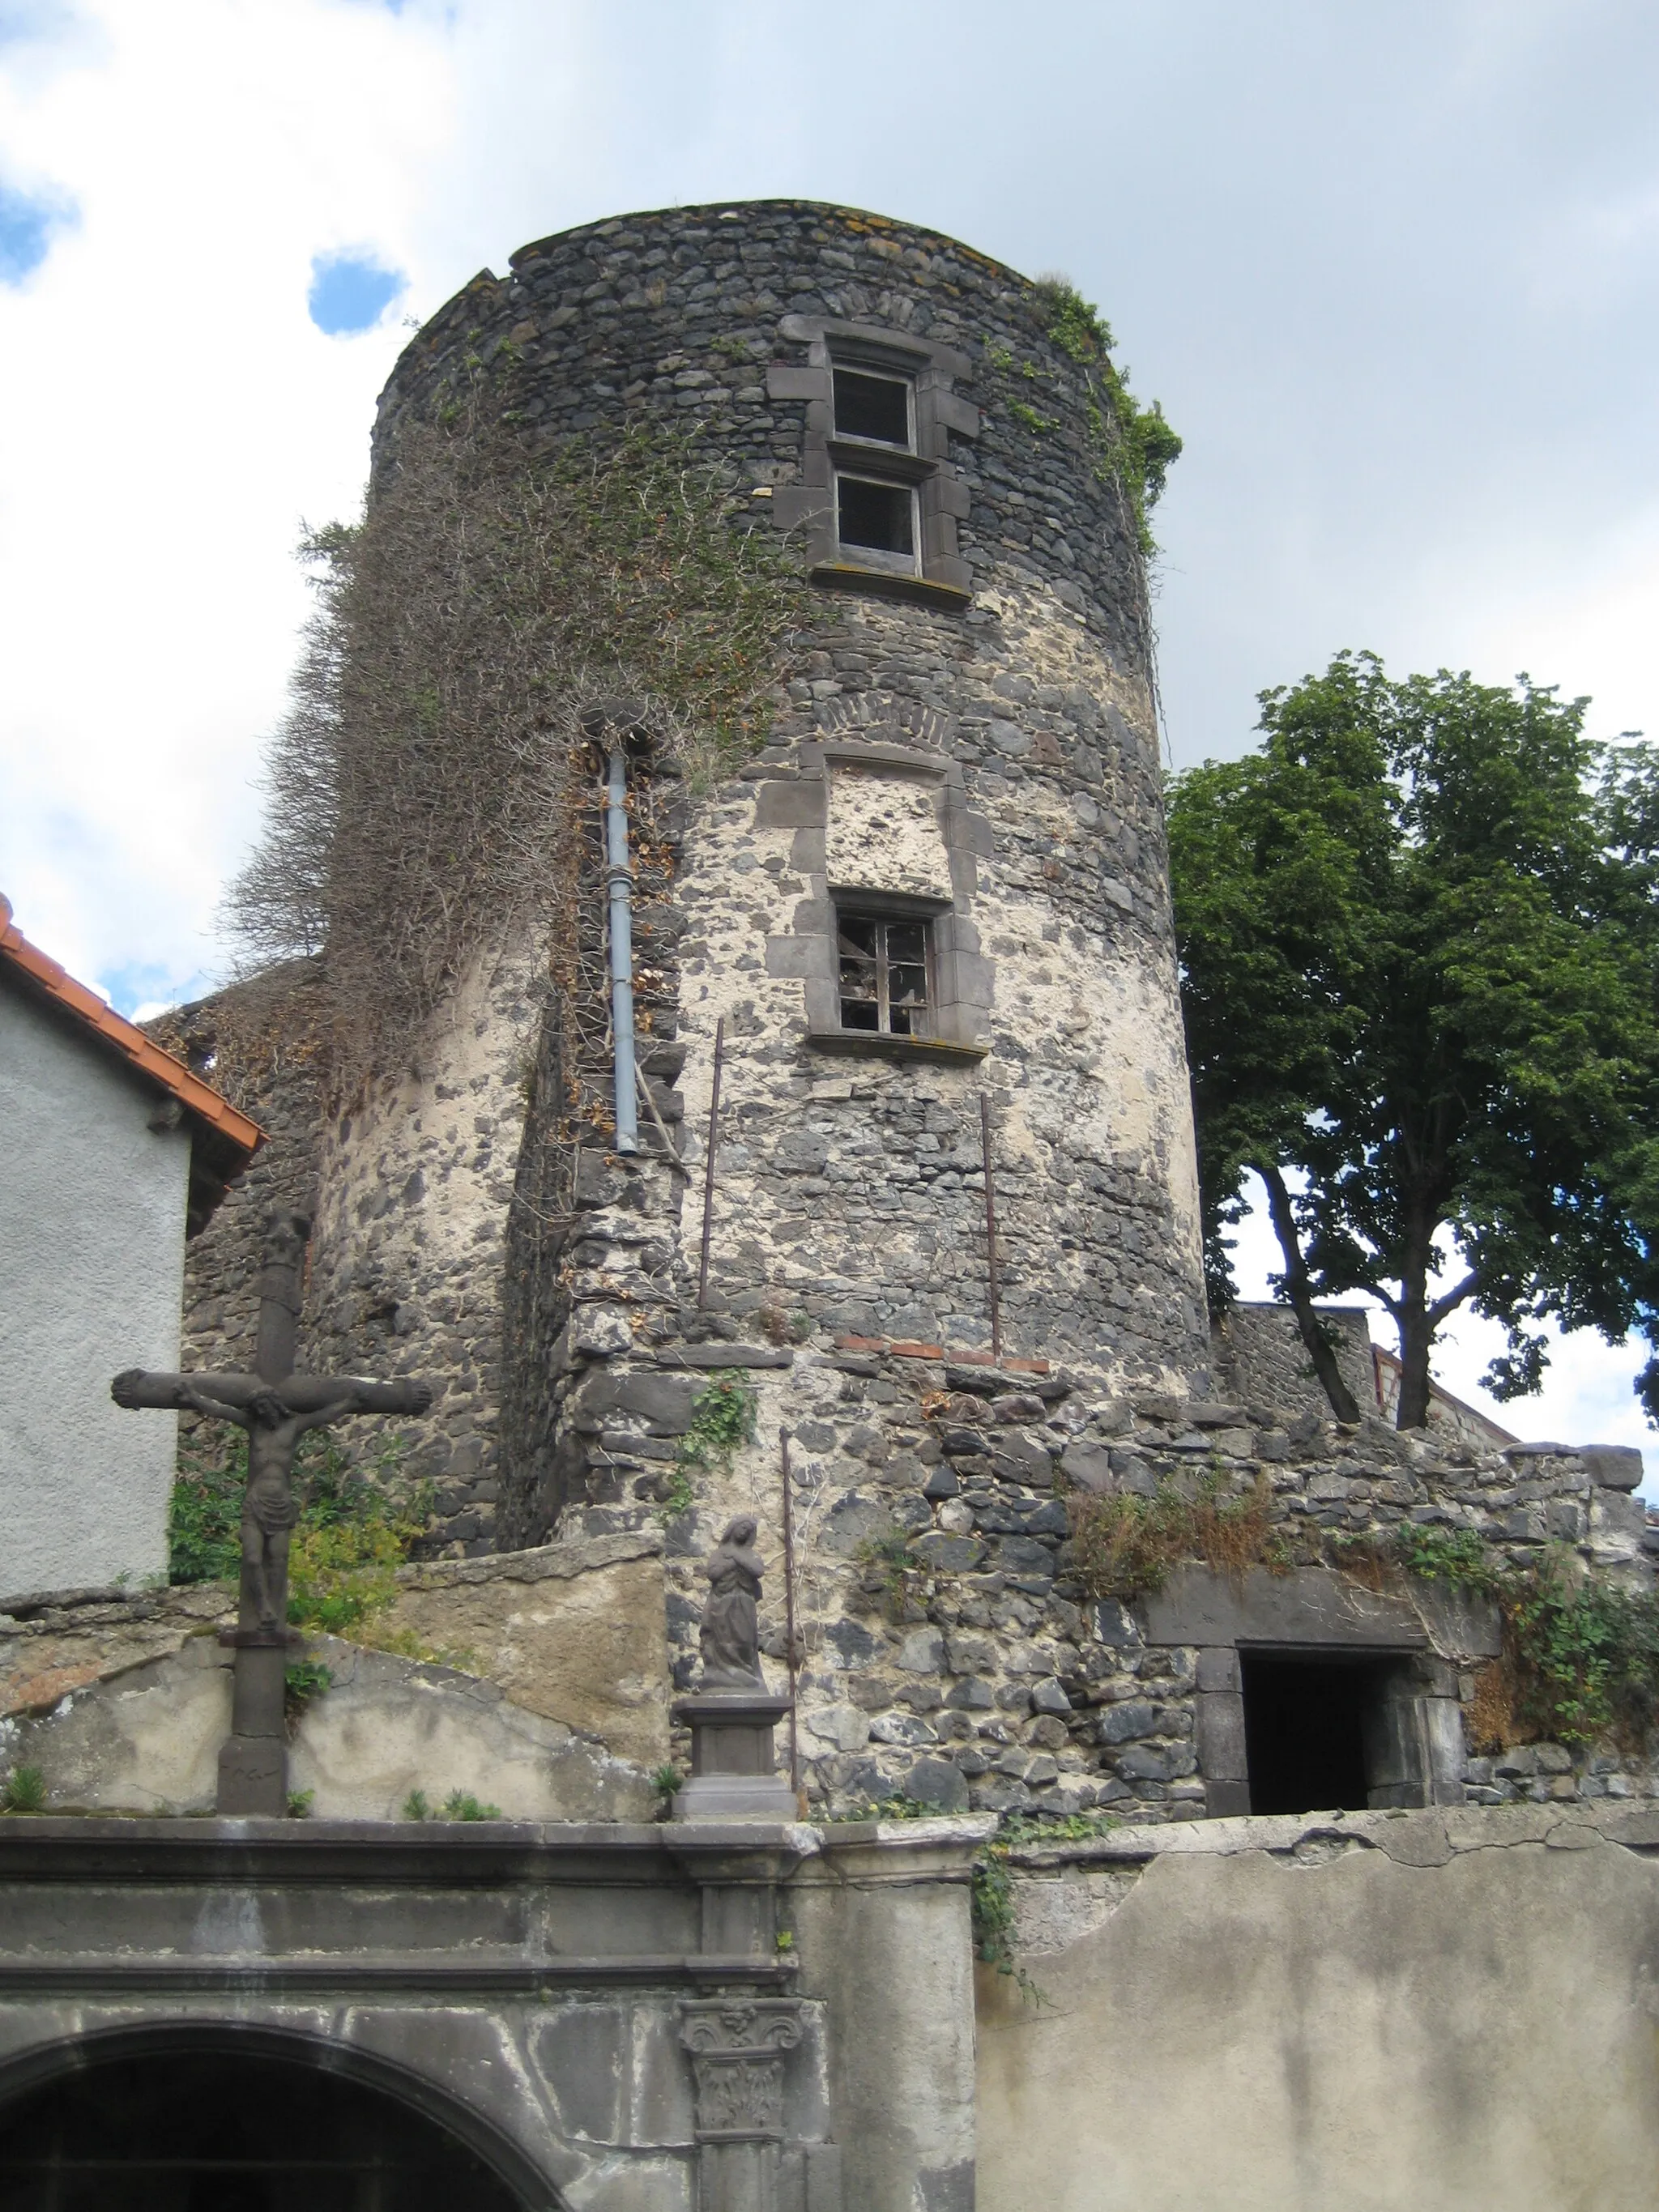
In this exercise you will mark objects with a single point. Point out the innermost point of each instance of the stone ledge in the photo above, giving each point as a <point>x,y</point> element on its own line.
<point>876,1044</point>
<point>540,1563</point>
<point>725,1355</point>
<point>1426,1836</point>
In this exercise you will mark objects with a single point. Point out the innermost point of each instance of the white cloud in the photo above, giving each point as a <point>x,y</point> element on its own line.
<point>183,416</point>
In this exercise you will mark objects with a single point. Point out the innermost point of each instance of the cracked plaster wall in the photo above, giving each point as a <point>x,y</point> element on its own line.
<point>1439,2009</point>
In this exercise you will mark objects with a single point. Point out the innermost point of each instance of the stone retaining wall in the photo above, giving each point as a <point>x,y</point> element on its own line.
<point>951,1654</point>
<point>543,1688</point>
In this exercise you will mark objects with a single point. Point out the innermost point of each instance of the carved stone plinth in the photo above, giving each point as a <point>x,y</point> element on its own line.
<point>733,1773</point>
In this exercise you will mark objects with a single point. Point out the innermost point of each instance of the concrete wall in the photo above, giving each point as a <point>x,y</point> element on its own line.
<point>608,2015</point>
<point>534,1681</point>
<point>92,1255</point>
<point>1428,2010</point>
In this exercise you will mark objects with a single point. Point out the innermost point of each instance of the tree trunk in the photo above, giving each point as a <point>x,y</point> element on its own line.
<point>1298,1290</point>
<point>1416,1327</point>
<point>1414,1365</point>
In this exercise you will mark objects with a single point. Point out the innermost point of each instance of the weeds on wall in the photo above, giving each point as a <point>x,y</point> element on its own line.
<point>1125,1546</point>
<point>1581,1656</point>
<point>723,1417</point>
<point>459,1805</point>
<point>303,1681</point>
<point>890,1570</point>
<point>421,791</point>
<point>24,1790</point>
<point>1133,446</point>
<point>353,1534</point>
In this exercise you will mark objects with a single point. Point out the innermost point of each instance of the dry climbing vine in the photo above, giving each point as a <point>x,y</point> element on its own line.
<point>422,792</point>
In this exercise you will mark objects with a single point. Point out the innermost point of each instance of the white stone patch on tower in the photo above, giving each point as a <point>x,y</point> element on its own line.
<point>884,834</point>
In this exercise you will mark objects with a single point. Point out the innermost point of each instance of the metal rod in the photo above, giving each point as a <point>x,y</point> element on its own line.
<point>668,1145</point>
<point>991,1225</point>
<point>708,1163</point>
<point>789,1618</point>
<point>619,883</point>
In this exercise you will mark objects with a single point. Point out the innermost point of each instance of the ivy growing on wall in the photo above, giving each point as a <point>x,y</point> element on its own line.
<point>1580,1656</point>
<point>1133,446</point>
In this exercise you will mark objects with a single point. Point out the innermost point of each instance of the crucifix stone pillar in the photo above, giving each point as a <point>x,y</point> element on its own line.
<point>276,1407</point>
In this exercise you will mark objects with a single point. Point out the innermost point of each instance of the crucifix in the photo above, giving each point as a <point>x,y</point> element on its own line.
<point>276,1407</point>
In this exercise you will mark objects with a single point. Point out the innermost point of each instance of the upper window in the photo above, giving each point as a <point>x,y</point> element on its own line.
<point>877,521</point>
<point>879,408</point>
<point>878,490</point>
<point>883,973</point>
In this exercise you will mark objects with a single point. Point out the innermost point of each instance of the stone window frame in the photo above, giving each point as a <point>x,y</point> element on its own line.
<point>962,978</point>
<point>1416,1753</point>
<point>809,504</point>
<point>884,912</point>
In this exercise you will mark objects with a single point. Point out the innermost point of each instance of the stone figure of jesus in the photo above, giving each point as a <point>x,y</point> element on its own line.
<point>731,1623</point>
<point>276,1407</point>
<point>270,1509</point>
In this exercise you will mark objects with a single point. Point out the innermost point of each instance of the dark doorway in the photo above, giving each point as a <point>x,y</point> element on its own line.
<point>233,2133</point>
<point>1304,1732</point>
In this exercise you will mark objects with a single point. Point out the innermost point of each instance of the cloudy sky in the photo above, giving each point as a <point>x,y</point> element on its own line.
<point>1391,271</point>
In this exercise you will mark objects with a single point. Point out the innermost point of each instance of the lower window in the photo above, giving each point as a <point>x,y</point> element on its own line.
<point>883,973</point>
<point>876,523</point>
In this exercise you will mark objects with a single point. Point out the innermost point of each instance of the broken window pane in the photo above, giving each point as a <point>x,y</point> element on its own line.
<point>868,406</point>
<point>883,973</point>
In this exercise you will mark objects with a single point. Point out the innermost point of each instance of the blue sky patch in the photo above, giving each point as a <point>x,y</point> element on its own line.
<point>141,988</point>
<point>26,230</point>
<point>350,292</point>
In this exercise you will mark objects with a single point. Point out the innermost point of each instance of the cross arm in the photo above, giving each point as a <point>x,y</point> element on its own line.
<point>332,1396</point>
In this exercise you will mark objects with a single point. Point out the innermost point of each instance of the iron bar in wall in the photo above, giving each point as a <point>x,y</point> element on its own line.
<point>991,1225</point>
<point>789,1619</point>
<point>708,1163</point>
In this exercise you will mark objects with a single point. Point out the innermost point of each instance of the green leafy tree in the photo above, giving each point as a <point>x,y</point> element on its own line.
<point>1418,934</point>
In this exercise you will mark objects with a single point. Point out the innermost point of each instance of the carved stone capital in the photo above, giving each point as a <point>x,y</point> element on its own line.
<point>737,2047</point>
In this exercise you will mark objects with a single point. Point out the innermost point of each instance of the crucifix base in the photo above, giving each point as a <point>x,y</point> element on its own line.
<point>253,1761</point>
<point>733,1773</point>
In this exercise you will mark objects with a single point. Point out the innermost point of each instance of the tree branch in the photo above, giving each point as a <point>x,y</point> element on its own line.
<point>1453,1299</point>
<point>1298,1289</point>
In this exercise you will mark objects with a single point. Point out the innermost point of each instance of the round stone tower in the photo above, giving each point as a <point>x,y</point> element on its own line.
<point>944,877</point>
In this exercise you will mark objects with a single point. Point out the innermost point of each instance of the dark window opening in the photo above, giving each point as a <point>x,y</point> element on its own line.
<point>1304,1732</point>
<point>883,973</point>
<point>877,518</point>
<point>876,407</point>
<point>190,2133</point>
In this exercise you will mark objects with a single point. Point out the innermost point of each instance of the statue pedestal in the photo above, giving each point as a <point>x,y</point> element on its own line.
<point>253,1762</point>
<point>733,1777</point>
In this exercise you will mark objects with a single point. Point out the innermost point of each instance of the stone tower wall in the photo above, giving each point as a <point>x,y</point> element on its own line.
<point>1003,708</point>
<point>983,736</point>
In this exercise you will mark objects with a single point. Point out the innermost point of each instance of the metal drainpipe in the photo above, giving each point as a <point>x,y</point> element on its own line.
<point>619,879</point>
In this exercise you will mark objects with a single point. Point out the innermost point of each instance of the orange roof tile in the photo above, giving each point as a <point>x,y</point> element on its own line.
<point>112,1029</point>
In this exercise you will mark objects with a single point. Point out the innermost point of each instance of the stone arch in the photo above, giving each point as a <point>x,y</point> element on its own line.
<point>415,2096</point>
<point>884,714</point>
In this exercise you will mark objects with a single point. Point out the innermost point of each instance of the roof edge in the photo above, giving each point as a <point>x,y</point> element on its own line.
<point>116,1033</point>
